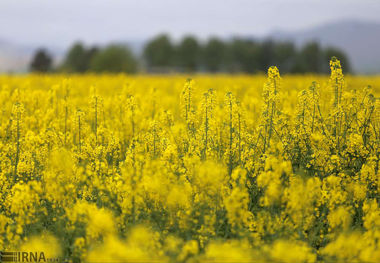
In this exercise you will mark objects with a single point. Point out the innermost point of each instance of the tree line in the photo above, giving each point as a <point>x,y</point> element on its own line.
<point>162,55</point>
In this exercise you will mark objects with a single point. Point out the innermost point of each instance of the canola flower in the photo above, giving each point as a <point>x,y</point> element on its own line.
<point>115,168</point>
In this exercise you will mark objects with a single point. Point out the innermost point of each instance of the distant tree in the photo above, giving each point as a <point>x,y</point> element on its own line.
<point>266,55</point>
<point>284,56</point>
<point>159,52</point>
<point>41,62</point>
<point>78,58</point>
<point>242,56</point>
<point>114,58</point>
<point>75,59</point>
<point>330,52</point>
<point>309,59</point>
<point>236,55</point>
<point>214,55</point>
<point>90,54</point>
<point>188,54</point>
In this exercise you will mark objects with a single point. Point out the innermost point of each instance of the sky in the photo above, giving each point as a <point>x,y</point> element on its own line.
<point>60,22</point>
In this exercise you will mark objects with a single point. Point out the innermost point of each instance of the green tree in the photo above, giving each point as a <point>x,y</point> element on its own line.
<point>309,59</point>
<point>75,59</point>
<point>266,55</point>
<point>214,55</point>
<point>242,56</point>
<point>188,54</point>
<point>284,56</point>
<point>159,52</point>
<point>114,58</point>
<point>41,61</point>
<point>78,58</point>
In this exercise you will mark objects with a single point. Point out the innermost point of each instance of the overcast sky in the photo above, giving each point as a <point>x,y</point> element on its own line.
<point>60,22</point>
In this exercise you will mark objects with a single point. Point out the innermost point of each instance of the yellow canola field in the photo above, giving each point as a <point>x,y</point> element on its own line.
<point>220,168</point>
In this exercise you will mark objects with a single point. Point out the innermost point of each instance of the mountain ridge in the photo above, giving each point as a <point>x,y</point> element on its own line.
<point>359,39</point>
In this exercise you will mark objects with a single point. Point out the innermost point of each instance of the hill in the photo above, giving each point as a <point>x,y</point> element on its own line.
<point>360,40</point>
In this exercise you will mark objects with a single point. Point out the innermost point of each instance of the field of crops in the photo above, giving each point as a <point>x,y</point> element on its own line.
<point>116,168</point>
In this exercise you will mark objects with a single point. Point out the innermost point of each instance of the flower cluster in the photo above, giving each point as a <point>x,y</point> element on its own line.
<point>216,169</point>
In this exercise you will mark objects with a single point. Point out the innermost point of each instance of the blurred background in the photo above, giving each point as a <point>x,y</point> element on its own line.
<point>170,36</point>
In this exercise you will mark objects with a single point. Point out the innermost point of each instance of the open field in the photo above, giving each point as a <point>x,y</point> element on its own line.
<point>216,169</point>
